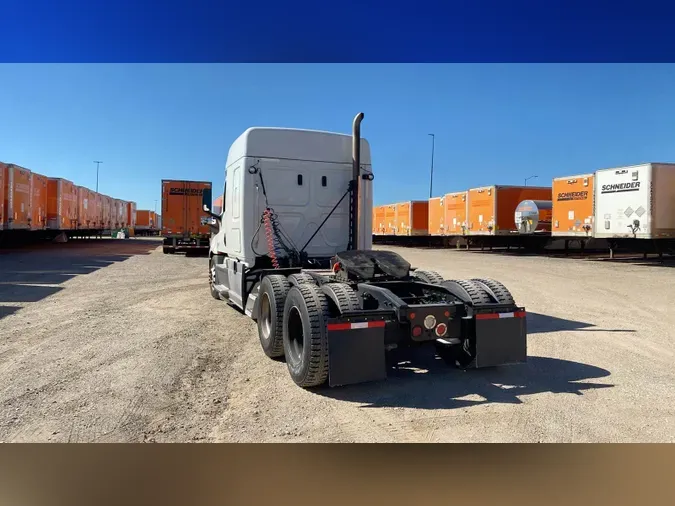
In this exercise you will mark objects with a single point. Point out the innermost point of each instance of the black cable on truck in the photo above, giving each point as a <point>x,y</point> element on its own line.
<point>280,236</point>
<point>297,257</point>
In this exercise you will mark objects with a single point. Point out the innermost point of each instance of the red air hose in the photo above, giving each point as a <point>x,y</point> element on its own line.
<point>269,234</point>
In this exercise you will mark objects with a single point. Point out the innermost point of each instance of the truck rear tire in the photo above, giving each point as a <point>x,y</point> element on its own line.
<point>468,291</point>
<point>273,292</point>
<point>497,290</point>
<point>305,336</point>
<point>430,277</point>
<point>301,277</point>
<point>342,296</point>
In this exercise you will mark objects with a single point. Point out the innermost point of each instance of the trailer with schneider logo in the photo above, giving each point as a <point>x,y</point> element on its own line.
<point>635,202</point>
<point>573,206</point>
<point>185,225</point>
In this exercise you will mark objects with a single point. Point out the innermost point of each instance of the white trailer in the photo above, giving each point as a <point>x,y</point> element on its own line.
<point>636,201</point>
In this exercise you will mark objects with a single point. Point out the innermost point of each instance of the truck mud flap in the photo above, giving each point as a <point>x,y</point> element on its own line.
<point>355,351</point>
<point>501,338</point>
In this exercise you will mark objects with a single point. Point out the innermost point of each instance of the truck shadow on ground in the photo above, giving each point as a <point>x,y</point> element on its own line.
<point>32,274</point>
<point>427,382</point>
<point>540,323</point>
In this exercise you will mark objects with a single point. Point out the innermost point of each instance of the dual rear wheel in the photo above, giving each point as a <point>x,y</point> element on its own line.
<point>475,291</point>
<point>292,324</point>
<point>293,317</point>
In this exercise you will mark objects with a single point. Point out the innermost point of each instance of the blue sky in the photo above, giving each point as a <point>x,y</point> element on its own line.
<point>494,124</point>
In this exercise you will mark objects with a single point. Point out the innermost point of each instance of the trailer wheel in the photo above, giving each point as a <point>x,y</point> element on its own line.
<point>301,277</point>
<point>273,292</point>
<point>497,290</point>
<point>305,341</point>
<point>468,291</point>
<point>342,296</point>
<point>430,277</point>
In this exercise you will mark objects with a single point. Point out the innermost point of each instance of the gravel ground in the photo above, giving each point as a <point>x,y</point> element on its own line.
<point>114,341</point>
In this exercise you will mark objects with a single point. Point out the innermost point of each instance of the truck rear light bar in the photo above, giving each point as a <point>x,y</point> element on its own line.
<point>354,326</point>
<point>494,316</point>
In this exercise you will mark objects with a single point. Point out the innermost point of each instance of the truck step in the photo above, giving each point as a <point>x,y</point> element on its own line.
<point>250,302</point>
<point>223,291</point>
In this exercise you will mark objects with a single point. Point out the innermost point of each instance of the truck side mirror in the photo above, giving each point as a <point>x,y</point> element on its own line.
<point>206,200</point>
<point>208,211</point>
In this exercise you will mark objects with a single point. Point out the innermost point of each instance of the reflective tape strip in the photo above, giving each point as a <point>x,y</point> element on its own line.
<point>354,326</point>
<point>494,316</point>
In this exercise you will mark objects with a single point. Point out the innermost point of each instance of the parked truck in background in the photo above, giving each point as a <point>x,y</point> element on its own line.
<point>184,223</point>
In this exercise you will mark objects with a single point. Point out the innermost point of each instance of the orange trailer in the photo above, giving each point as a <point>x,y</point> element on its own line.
<point>114,213</point>
<point>412,217</point>
<point>17,197</point>
<point>379,220</point>
<point>106,212</point>
<point>143,219</point>
<point>437,216</point>
<point>97,210</point>
<point>455,212</point>
<point>86,211</point>
<point>390,219</point>
<point>182,213</point>
<point>62,200</point>
<point>131,215</point>
<point>491,209</point>
<point>124,214</point>
<point>146,222</point>
<point>38,204</point>
<point>120,213</point>
<point>117,213</point>
<point>573,205</point>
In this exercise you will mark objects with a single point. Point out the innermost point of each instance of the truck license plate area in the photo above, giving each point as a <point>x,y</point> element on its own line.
<point>501,339</point>
<point>355,351</point>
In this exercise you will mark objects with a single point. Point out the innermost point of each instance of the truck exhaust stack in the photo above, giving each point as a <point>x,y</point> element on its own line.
<point>356,177</point>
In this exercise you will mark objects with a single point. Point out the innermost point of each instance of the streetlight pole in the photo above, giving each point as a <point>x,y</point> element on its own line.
<point>531,177</point>
<point>97,164</point>
<point>431,179</point>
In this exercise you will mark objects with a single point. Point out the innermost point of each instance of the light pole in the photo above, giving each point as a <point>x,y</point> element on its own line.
<point>431,179</point>
<point>97,164</point>
<point>531,177</point>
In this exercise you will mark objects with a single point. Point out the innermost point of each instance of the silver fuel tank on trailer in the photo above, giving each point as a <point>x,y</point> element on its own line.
<point>533,216</point>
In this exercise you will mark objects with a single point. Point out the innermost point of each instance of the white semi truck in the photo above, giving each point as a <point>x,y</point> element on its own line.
<point>292,249</point>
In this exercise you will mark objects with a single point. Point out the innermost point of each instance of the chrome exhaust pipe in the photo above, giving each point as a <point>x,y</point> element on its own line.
<point>356,182</point>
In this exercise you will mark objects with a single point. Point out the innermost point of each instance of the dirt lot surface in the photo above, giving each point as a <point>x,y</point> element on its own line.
<point>114,341</point>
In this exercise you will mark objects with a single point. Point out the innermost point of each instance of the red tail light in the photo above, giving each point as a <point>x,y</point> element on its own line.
<point>441,329</point>
<point>417,331</point>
